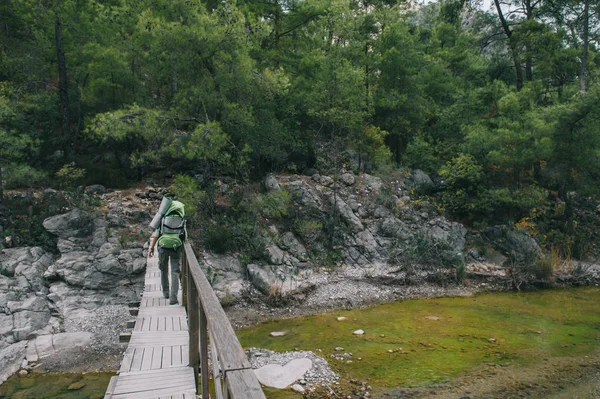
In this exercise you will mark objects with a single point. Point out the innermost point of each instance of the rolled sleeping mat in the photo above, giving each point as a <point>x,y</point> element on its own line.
<point>162,209</point>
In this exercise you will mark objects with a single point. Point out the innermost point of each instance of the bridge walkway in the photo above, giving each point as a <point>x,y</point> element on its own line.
<point>156,362</point>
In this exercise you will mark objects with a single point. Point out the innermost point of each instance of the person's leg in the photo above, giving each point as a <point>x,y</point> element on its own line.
<point>175,269</point>
<point>163,266</point>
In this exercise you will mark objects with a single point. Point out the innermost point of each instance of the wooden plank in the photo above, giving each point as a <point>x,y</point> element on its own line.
<point>243,384</point>
<point>157,338</point>
<point>156,358</point>
<point>138,357</point>
<point>166,357</point>
<point>147,360</point>
<point>111,386</point>
<point>127,360</point>
<point>176,354</point>
<point>166,393</point>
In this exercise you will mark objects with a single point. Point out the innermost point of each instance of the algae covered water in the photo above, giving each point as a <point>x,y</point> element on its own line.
<point>56,386</point>
<point>422,342</point>
<point>413,343</point>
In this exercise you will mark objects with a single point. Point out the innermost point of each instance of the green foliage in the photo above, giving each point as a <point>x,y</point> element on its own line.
<point>421,256</point>
<point>69,175</point>
<point>189,192</point>
<point>220,239</point>
<point>274,205</point>
<point>23,176</point>
<point>309,229</point>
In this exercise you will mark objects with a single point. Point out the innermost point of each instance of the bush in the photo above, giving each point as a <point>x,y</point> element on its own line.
<point>23,176</point>
<point>69,175</point>
<point>274,205</point>
<point>423,256</point>
<point>219,238</point>
<point>308,229</point>
<point>188,191</point>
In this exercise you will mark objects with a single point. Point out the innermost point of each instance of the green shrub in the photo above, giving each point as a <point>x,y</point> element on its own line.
<point>274,205</point>
<point>219,238</point>
<point>189,192</point>
<point>308,229</point>
<point>422,256</point>
<point>386,198</point>
<point>69,175</point>
<point>23,176</point>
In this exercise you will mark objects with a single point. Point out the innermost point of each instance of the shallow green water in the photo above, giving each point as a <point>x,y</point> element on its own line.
<point>439,339</point>
<point>443,337</point>
<point>56,386</point>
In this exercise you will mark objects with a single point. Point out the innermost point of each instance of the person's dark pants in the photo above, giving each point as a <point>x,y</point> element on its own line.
<point>164,255</point>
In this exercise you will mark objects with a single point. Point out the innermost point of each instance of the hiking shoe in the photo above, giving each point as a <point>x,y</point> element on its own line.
<point>166,295</point>
<point>173,302</point>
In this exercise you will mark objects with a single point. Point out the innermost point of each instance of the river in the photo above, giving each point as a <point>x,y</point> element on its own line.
<point>543,344</point>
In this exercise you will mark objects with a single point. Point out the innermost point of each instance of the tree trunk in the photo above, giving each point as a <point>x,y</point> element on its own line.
<point>1,189</point>
<point>529,59</point>
<point>174,78</point>
<point>277,23</point>
<point>63,87</point>
<point>513,49</point>
<point>586,43</point>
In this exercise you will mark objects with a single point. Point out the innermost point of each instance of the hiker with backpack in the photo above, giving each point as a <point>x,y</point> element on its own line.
<point>169,234</point>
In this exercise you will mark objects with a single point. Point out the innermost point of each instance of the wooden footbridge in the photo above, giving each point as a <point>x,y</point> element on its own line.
<point>169,347</point>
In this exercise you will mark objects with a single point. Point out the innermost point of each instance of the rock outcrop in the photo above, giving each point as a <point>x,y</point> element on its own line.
<point>48,300</point>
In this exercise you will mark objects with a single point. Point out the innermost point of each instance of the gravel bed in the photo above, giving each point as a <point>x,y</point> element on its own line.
<point>320,373</point>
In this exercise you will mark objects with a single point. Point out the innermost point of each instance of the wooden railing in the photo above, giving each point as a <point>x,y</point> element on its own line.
<point>232,374</point>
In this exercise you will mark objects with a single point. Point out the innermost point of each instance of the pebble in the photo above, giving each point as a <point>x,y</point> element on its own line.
<point>277,334</point>
<point>341,318</point>
<point>358,332</point>
<point>298,388</point>
<point>23,373</point>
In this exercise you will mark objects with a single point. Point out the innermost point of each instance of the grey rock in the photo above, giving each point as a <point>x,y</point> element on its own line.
<point>95,189</point>
<point>261,278</point>
<point>271,183</point>
<point>304,195</point>
<point>346,213</point>
<point>289,241</point>
<point>10,359</point>
<point>392,227</point>
<point>76,223</point>
<point>275,254</point>
<point>420,181</point>
<point>326,181</point>
<point>347,178</point>
<point>516,245</point>
<point>57,344</point>
<point>227,276</point>
<point>372,182</point>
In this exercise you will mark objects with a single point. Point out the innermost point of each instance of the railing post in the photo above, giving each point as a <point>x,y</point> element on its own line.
<point>204,352</point>
<point>185,275</point>
<point>192,309</point>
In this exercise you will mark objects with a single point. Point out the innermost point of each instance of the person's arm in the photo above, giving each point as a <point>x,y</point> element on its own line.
<point>154,238</point>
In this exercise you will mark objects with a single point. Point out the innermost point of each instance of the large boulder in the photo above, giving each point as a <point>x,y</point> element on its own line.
<point>294,247</point>
<point>57,345</point>
<point>271,183</point>
<point>518,246</point>
<point>76,223</point>
<point>11,358</point>
<point>420,181</point>
<point>346,213</point>
<point>29,316</point>
<point>226,275</point>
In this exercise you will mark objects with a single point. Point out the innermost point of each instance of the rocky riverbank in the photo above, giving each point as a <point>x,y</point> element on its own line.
<point>63,311</point>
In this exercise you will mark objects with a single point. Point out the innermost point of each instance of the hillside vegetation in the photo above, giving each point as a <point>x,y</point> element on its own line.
<point>499,106</point>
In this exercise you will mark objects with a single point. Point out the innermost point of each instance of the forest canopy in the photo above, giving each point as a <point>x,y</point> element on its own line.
<point>501,104</point>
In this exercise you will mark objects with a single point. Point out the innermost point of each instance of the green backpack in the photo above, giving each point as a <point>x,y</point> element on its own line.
<point>172,227</point>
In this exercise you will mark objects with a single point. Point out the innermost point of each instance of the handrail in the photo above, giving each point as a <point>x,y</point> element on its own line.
<point>206,318</point>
